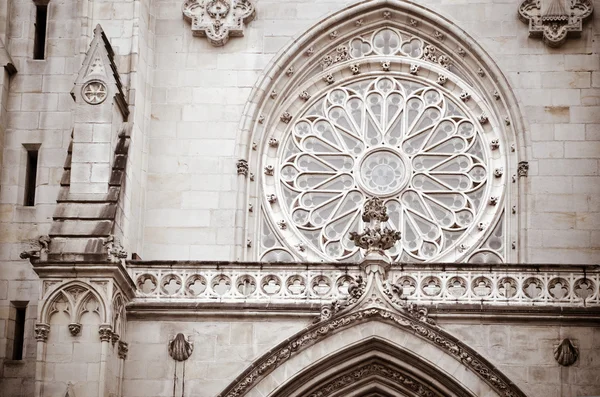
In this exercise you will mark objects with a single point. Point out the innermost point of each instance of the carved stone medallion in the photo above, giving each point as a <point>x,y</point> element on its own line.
<point>218,20</point>
<point>555,20</point>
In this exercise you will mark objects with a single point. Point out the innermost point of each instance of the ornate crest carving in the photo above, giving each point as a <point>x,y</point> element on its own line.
<point>180,349</point>
<point>218,20</point>
<point>566,353</point>
<point>555,20</point>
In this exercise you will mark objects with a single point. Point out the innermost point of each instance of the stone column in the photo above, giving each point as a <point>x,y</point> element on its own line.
<point>105,332</point>
<point>41,335</point>
<point>123,349</point>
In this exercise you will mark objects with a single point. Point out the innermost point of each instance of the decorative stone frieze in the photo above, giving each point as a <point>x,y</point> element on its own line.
<point>517,286</point>
<point>218,20</point>
<point>555,20</point>
<point>180,348</point>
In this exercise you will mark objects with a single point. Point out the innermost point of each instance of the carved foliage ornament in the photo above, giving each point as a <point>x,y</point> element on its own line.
<point>218,20</point>
<point>555,20</point>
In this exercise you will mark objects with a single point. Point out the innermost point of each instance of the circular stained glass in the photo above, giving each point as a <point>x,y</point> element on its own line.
<point>382,172</point>
<point>399,138</point>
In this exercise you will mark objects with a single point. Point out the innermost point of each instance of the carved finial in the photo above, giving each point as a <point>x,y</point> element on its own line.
<point>374,238</point>
<point>180,349</point>
<point>566,353</point>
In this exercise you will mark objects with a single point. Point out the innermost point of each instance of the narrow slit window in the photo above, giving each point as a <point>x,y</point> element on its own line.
<point>19,335</point>
<point>30,177</point>
<point>39,45</point>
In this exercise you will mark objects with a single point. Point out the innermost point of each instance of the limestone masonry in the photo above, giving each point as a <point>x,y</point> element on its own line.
<point>228,198</point>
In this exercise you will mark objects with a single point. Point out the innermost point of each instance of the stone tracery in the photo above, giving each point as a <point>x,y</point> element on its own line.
<point>404,53</point>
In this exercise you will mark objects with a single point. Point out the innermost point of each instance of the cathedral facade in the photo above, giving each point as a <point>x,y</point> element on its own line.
<point>228,198</point>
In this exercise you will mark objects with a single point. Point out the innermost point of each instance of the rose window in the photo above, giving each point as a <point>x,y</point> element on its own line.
<point>415,146</point>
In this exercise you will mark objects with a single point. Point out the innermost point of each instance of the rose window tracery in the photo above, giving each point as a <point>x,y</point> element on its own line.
<point>393,137</point>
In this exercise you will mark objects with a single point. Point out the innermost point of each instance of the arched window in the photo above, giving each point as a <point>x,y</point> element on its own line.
<point>393,104</point>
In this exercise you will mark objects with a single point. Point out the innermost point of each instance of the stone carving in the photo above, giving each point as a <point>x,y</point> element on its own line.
<point>465,96</point>
<point>272,198</point>
<point>414,69</point>
<point>94,92</point>
<point>304,95</point>
<point>40,247</point>
<point>555,20</point>
<point>180,348</point>
<point>70,392</point>
<point>523,168</point>
<point>41,332</point>
<point>495,144</point>
<point>322,330</point>
<point>498,172</point>
<point>566,353</point>
<point>577,287</point>
<point>74,329</point>
<point>105,332</point>
<point>116,252</point>
<point>242,167</point>
<point>385,66</point>
<point>374,238</point>
<point>442,79</point>
<point>286,117</point>
<point>123,349</point>
<point>269,170</point>
<point>217,20</point>
<point>355,68</point>
<point>364,371</point>
<point>273,142</point>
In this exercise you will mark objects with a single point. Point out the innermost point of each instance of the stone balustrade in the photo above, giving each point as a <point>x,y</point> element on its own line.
<point>430,284</point>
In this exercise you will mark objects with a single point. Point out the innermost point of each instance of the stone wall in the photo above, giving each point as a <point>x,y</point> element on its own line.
<point>199,92</point>
<point>224,348</point>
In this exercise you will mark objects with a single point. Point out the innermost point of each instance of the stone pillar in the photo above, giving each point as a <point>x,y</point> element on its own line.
<point>106,333</point>
<point>41,335</point>
<point>123,349</point>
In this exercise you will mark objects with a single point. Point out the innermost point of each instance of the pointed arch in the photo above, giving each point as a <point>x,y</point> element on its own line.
<point>77,294</point>
<point>402,345</point>
<point>279,96</point>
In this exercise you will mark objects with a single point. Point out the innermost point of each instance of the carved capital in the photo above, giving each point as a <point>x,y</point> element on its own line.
<point>41,332</point>
<point>105,332</point>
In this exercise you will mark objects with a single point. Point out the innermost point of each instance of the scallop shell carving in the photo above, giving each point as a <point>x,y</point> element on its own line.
<point>566,353</point>
<point>180,349</point>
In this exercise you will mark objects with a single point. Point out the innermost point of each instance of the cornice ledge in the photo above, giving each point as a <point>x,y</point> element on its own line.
<point>86,268</point>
